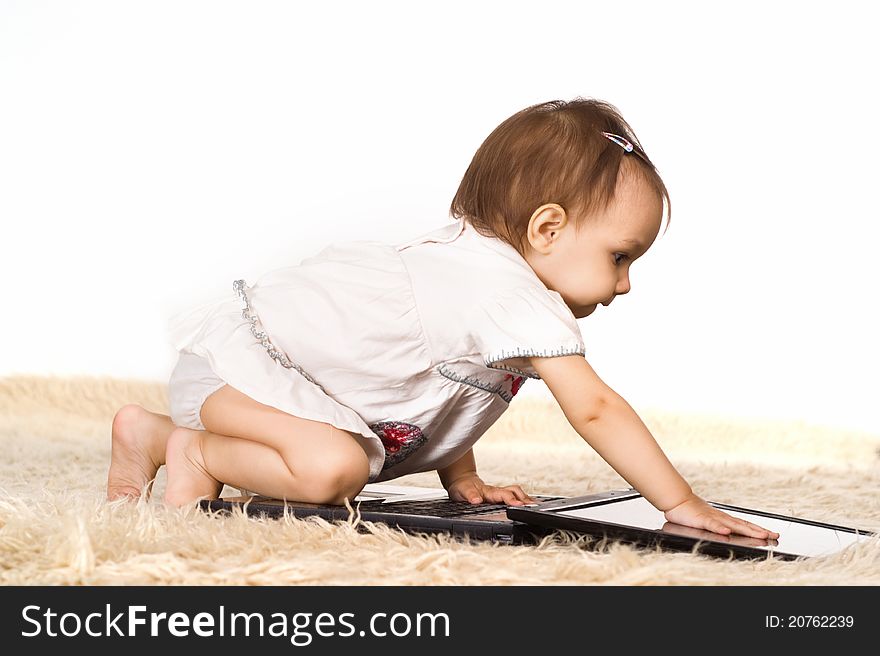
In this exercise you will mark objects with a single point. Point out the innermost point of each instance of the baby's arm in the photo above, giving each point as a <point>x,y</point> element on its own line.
<point>610,425</point>
<point>463,484</point>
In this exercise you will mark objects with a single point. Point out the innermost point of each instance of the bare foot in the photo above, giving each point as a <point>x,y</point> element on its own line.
<point>188,480</point>
<point>138,450</point>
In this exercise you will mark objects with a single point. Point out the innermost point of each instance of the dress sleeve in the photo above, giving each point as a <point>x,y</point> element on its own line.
<point>526,322</point>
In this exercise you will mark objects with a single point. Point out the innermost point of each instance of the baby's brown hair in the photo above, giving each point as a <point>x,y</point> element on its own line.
<point>552,152</point>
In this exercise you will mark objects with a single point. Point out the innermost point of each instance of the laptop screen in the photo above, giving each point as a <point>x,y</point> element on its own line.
<point>794,537</point>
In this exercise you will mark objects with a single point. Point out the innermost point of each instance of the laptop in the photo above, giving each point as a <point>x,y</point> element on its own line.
<point>412,509</point>
<point>630,518</point>
<point>615,515</point>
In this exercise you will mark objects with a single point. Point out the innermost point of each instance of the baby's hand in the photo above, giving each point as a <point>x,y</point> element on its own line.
<point>698,514</point>
<point>472,488</point>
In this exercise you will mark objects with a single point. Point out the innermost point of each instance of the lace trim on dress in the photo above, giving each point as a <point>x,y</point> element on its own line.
<point>529,353</point>
<point>274,353</point>
<point>475,382</point>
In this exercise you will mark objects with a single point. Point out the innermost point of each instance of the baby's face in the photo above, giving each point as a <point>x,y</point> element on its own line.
<point>592,267</point>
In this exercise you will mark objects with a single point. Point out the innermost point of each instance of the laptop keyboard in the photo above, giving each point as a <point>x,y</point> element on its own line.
<point>438,507</point>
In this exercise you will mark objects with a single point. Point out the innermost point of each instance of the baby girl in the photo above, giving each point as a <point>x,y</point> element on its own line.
<point>369,360</point>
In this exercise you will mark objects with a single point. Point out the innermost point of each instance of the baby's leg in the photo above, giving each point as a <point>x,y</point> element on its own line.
<point>138,449</point>
<point>257,447</point>
<point>188,479</point>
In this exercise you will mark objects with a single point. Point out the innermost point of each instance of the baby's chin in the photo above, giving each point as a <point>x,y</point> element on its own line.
<point>584,311</point>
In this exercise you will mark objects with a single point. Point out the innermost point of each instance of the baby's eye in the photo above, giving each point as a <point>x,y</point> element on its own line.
<point>620,257</point>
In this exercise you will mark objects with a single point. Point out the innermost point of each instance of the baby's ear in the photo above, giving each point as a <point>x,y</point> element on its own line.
<point>544,226</point>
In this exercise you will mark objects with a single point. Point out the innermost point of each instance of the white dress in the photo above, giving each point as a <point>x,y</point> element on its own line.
<point>419,346</point>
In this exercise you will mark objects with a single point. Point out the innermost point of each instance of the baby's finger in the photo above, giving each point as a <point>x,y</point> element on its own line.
<point>773,534</point>
<point>742,527</point>
<point>510,498</point>
<point>716,526</point>
<point>753,530</point>
<point>470,493</point>
<point>503,495</point>
<point>520,494</point>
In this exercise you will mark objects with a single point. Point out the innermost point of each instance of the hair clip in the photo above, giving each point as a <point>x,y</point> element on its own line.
<point>620,141</point>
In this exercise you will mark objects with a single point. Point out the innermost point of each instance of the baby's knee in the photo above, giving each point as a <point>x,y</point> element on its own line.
<point>335,477</point>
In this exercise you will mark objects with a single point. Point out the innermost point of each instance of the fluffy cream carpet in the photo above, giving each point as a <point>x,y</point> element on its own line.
<point>56,528</point>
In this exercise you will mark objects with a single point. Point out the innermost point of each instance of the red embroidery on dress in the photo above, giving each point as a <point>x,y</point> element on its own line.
<point>399,439</point>
<point>516,384</point>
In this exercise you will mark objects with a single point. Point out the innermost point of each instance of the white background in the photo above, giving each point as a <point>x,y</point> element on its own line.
<point>153,152</point>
